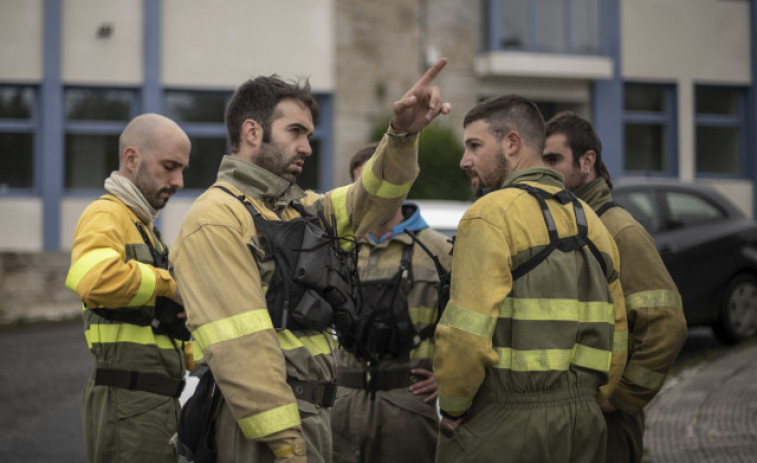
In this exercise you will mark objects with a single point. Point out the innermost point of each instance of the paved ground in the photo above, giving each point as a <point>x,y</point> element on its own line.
<point>707,413</point>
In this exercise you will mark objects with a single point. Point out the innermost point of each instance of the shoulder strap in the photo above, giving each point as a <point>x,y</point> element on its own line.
<point>604,207</point>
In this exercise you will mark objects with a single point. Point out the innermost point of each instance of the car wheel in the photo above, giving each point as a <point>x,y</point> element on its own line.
<point>738,311</point>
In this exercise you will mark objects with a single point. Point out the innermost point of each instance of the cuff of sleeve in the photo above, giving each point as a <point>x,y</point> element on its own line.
<point>290,447</point>
<point>626,402</point>
<point>391,131</point>
<point>165,284</point>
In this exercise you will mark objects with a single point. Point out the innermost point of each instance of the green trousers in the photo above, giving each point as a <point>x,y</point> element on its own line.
<point>561,427</point>
<point>625,437</point>
<point>234,447</point>
<point>124,426</point>
<point>396,426</point>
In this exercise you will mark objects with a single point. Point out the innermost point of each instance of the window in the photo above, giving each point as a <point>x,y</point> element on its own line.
<point>201,115</point>
<point>556,26</point>
<point>649,128</point>
<point>16,137</point>
<point>642,206</point>
<point>686,210</point>
<point>95,118</point>
<point>720,138</point>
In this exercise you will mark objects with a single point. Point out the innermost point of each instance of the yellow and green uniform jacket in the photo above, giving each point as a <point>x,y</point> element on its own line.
<point>112,268</point>
<point>561,326</point>
<point>656,324</point>
<point>224,284</point>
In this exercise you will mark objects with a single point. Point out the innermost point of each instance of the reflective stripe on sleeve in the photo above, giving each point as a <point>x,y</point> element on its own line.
<point>101,333</point>
<point>338,199</point>
<point>620,341</point>
<point>146,286</point>
<point>270,421</point>
<point>557,310</point>
<point>553,359</point>
<point>468,320</point>
<point>425,350</point>
<point>232,327</point>
<point>85,263</point>
<point>381,188</point>
<point>654,298</point>
<point>643,377</point>
<point>317,344</point>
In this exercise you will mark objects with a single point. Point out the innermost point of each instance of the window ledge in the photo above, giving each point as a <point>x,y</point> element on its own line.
<point>502,64</point>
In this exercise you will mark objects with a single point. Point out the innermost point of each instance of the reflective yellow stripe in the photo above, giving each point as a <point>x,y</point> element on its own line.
<point>454,404</point>
<point>125,332</point>
<point>317,345</point>
<point>654,298</point>
<point>553,359</point>
<point>146,286</point>
<point>424,351</point>
<point>338,197</point>
<point>620,340</point>
<point>644,377</point>
<point>557,309</point>
<point>270,421</point>
<point>425,315</point>
<point>85,263</point>
<point>468,320</point>
<point>381,188</point>
<point>232,327</point>
<point>197,354</point>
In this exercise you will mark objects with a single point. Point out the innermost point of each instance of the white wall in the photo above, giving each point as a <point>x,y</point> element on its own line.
<point>215,43</point>
<point>21,226</point>
<point>87,58</point>
<point>21,38</point>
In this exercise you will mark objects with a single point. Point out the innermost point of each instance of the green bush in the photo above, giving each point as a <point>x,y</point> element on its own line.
<point>439,153</point>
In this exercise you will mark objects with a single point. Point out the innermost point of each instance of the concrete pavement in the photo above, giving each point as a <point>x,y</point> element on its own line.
<point>707,413</point>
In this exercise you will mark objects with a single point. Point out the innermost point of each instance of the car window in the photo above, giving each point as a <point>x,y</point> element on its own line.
<point>687,209</point>
<point>642,207</point>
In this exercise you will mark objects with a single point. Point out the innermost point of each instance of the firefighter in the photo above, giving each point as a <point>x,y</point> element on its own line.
<point>276,371</point>
<point>119,270</point>
<point>532,339</point>
<point>656,324</point>
<point>386,403</point>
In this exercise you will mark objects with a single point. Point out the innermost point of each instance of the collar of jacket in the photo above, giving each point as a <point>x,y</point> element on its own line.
<point>594,193</point>
<point>256,182</point>
<point>413,222</point>
<point>541,175</point>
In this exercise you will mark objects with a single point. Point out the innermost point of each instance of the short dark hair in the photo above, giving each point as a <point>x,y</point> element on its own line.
<point>581,138</point>
<point>511,112</point>
<point>257,99</point>
<point>361,157</point>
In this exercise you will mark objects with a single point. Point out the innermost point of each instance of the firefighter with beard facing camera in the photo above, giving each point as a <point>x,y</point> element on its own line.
<point>533,337</point>
<point>385,409</point>
<point>263,335</point>
<point>656,324</point>
<point>120,271</point>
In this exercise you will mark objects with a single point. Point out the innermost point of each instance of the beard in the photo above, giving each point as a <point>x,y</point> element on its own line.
<point>273,159</point>
<point>494,178</point>
<point>151,190</point>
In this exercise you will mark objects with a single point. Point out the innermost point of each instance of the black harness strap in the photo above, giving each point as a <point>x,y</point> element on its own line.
<point>567,244</point>
<point>137,381</point>
<point>604,207</point>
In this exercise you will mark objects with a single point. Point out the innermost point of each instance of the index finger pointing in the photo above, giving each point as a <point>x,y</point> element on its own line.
<point>432,72</point>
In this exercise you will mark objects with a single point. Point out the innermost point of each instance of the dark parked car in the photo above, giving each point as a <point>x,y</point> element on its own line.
<point>709,247</point>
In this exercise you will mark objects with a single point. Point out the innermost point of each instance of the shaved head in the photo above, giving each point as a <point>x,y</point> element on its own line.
<point>146,132</point>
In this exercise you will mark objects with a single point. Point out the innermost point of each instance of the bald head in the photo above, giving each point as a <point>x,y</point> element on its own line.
<point>154,151</point>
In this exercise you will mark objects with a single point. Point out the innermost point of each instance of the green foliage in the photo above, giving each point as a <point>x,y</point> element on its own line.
<point>439,153</point>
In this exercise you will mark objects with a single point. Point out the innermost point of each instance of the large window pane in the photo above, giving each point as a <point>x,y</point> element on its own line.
<point>713,100</point>
<point>90,159</point>
<point>686,209</point>
<point>645,147</point>
<point>16,102</point>
<point>514,20</point>
<point>204,160</point>
<point>16,160</point>
<point>719,150</point>
<point>584,26</point>
<point>550,25</point>
<point>641,97</point>
<point>98,104</point>
<point>196,106</point>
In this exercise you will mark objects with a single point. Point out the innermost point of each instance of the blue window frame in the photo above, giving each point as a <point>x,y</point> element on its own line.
<point>650,129</point>
<point>201,115</point>
<point>18,124</point>
<point>94,119</point>
<point>721,140</point>
<point>554,26</point>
